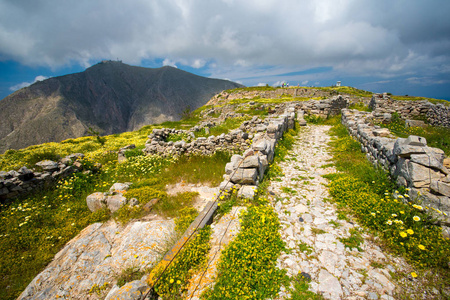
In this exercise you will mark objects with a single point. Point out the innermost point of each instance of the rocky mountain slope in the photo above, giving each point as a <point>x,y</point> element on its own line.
<point>110,97</point>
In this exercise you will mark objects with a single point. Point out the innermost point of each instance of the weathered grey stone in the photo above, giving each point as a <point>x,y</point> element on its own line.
<point>427,160</point>
<point>25,174</point>
<point>417,175</point>
<point>120,187</point>
<point>414,140</point>
<point>302,122</point>
<point>4,191</point>
<point>440,187</point>
<point>329,284</point>
<point>115,202</point>
<point>64,172</point>
<point>97,255</point>
<point>96,201</point>
<point>133,290</point>
<point>48,165</point>
<point>71,158</point>
<point>247,191</point>
<point>382,132</point>
<point>245,176</point>
<point>251,162</point>
<point>226,185</point>
<point>415,123</point>
<point>402,149</point>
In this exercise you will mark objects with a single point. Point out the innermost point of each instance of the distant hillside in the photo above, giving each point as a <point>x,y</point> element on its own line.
<point>110,97</point>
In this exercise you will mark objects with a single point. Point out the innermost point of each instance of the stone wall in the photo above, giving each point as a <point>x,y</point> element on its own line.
<point>324,108</point>
<point>245,172</point>
<point>410,161</point>
<point>235,141</point>
<point>436,114</point>
<point>24,181</point>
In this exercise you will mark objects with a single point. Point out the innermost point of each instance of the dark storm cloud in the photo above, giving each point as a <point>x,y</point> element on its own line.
<point>382,38</point>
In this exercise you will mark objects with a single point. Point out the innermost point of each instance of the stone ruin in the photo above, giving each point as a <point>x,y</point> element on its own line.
<point>24,181</point>
<point>423,169</point>
<point>435,114</point>
<point>245,172</point>
<point>236,140</point>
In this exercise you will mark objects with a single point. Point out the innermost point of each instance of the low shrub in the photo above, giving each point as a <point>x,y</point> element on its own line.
<point>172,283</point>
<point>247,267</point>
<point>366,192</point>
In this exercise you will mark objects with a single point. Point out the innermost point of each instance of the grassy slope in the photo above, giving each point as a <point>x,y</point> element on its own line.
<point>33,229</point>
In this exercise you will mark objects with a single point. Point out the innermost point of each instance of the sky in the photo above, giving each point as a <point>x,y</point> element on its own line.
<point>401,47</point>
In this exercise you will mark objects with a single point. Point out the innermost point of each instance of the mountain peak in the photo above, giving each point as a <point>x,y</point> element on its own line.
<point>110,97</point>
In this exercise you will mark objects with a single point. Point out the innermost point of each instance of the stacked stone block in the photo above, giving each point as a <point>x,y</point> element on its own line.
<point>24,181</point>
<point>410,161</point>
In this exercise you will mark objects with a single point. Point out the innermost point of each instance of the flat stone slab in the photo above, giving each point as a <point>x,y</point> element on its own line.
<point>96,255</point>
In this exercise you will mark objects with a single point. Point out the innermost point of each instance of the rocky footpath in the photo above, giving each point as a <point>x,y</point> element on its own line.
<point>313,232</point>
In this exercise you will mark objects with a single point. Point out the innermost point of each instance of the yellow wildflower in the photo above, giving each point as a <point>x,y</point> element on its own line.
<point>403,234</point>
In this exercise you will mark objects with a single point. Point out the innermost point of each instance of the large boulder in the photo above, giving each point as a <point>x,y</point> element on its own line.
<point>115,202</point>
<point>251,162</point>
<point>416,175</point>
<point>96,201</point>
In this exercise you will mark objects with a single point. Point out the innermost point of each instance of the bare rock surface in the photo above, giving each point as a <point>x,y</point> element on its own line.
<point>97,255</point>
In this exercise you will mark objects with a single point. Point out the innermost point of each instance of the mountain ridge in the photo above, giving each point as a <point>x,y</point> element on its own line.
<point>111,97</point>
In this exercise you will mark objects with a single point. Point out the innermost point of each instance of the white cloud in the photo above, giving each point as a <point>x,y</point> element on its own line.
<point>233,39</point>
<point>25,84</point>
<point>168,62</point>
<point>261,84</point>
<point>198,63</point>
<point>305,82</point>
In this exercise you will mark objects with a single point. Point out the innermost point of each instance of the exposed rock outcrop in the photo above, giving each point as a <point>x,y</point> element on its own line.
<point>96,257</point>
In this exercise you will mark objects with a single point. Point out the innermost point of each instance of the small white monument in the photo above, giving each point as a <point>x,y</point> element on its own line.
<point>338,83</point>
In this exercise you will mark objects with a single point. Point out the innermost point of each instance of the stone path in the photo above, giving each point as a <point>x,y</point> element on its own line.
<point>313,232</point>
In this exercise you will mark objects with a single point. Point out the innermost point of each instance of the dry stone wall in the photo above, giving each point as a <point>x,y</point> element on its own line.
<point>325,108</point>
<point>24,181</point>
<point>436,114</point>
<point>421,168</point>
<point>236,140</point>
<point>245,172</point>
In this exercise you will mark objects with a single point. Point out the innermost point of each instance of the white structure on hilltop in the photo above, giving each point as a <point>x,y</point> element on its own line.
<point>338,83</point>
